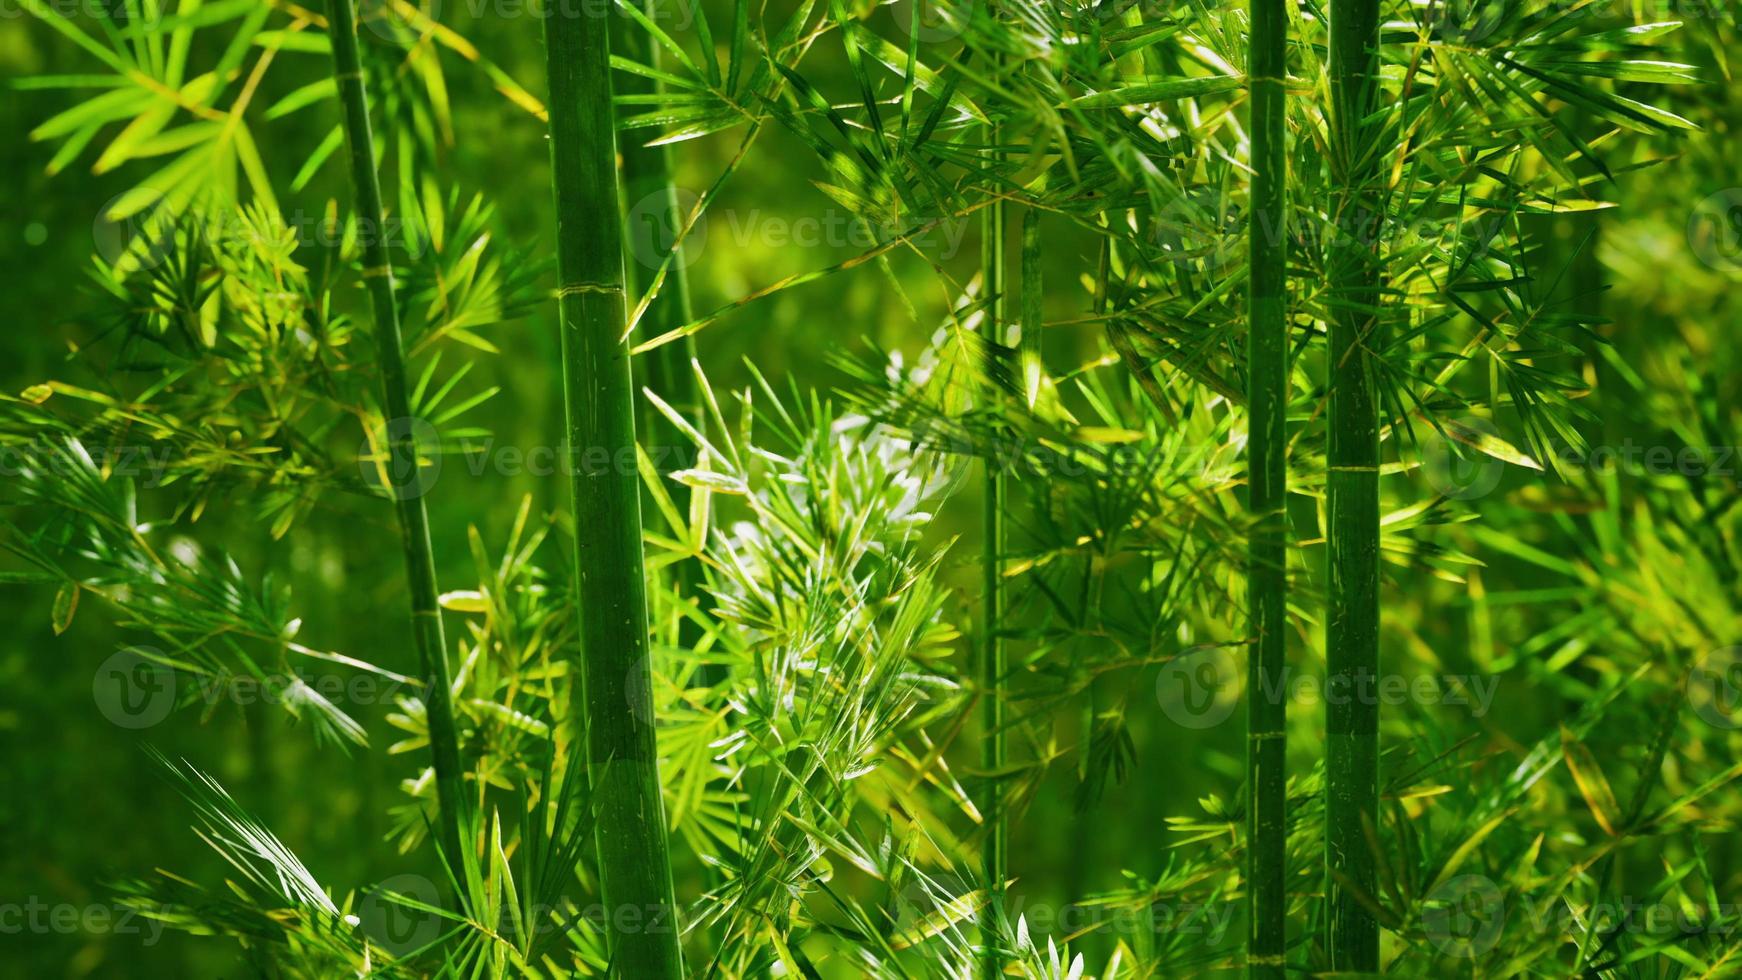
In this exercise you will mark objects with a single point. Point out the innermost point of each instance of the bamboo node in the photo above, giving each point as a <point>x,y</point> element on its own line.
<point>377,272</point>
<point>577,288</point>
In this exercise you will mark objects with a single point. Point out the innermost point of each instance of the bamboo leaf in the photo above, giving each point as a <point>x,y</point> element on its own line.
<point>1162,91</point>
<point>66,605</point>
<point>1593,785</point>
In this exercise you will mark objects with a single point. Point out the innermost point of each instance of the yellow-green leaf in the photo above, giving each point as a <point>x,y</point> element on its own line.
<point>1593,785</point>
<point>465,601</point>
<point>1108,436</point>
<point>66,605</point>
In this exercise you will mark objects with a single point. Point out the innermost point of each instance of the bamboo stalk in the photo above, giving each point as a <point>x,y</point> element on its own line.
<point>615,707</point>
<point>426,616</point>
<point>1267,480</point>
<point>1352,621</point>
<point>649,195</point>
<point>995,851</point>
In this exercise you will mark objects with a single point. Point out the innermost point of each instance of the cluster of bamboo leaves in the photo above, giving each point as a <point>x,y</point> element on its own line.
<point>818,684</point>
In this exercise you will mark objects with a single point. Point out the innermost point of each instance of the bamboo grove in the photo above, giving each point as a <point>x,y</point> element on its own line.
<point>1214,352</point>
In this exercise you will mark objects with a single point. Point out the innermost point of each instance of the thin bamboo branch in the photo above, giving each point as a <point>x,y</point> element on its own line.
<point>451,801</point>
<point>616,703</point>
<point>1267,443</point>
<point>1352,532</point>
<point>995,853</point>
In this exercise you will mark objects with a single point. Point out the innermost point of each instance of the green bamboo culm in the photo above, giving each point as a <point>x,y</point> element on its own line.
<point>451,801</point>
<point>615,706</point>
<point>1352,534</point>
<point>995,852</point>
<point>1267,488</point>
<point>652,211</point>
<point>652,208</point>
